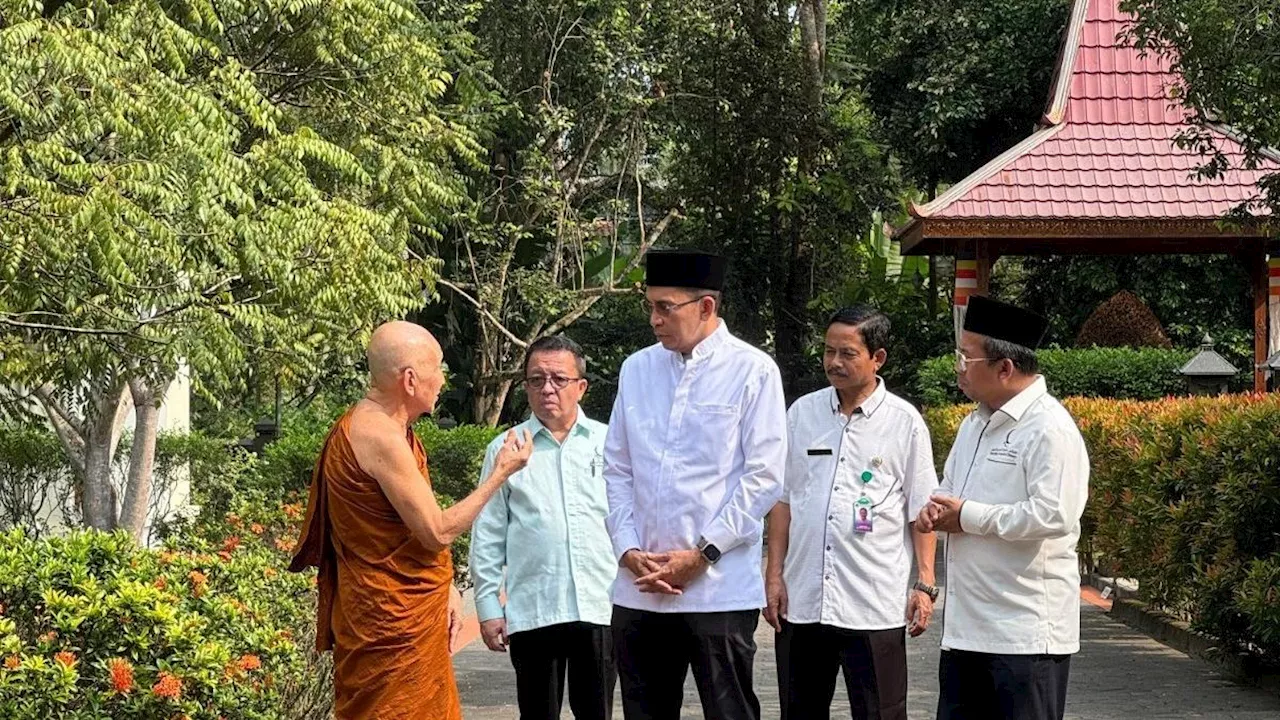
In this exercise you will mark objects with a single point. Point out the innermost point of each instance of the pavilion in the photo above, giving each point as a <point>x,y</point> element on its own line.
<point>1103,174</point>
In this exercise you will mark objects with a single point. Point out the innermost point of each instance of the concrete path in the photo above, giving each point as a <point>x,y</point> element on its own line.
<point>1119,674</point>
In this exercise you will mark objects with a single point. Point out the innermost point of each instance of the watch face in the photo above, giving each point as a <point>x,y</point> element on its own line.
<point>711,552</point>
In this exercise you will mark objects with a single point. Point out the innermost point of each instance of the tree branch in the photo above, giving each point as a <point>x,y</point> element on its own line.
<point>593,295</point>
<point>493,320</point>
<point>68,432</point>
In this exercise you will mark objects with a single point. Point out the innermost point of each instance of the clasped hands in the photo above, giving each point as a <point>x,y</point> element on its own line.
<point>666,573</point>
<point>942,513</point>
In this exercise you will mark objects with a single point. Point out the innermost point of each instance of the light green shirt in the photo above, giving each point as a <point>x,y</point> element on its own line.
<point>546,529</point>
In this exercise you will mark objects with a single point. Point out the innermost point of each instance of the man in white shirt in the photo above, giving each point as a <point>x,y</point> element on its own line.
<point>859,470</point>
<point>1013,491</point>
<point>694,459</point>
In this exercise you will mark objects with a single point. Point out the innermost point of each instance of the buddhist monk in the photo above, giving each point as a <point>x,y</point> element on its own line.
<point>387,606</point>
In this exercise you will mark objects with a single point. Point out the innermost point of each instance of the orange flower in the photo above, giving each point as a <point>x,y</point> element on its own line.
<point>167,686</point>
<point>13,662</point>
<point>286,544</point>
<point>293,511</point>
<point>121,675</point>
<point>257,529</point>
<point>65,659</point>
<point>231,544</point>
<point>48,637</point>
<point>233,519</point>
<point>161,583</point>
<point>167,557</point>
<point>270,573</point>
<point>199,583</point>
<point>249,663</point>
<point>226,556</point>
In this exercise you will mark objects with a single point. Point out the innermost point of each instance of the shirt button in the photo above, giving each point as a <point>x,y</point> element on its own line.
<point>831,517</point>
<point>828,548</point>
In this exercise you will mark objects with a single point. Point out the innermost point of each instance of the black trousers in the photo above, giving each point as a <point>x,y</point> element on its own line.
<point>542,658</point>
<point>655,650</point>
<point>981,686</point>
<point>874,664</point>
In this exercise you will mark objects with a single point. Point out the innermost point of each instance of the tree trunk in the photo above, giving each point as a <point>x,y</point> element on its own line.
<point>488,398</point>
<point>98,499</point>
<point>137,496</point>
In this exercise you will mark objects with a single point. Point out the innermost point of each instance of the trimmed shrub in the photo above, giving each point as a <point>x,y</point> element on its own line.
<point>1184,497</point>
<point>1124,373</point>
<point>35,481</point>
<point>1123,321</point>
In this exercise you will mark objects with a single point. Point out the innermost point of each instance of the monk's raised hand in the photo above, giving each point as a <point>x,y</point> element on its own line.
<point>514,453</point>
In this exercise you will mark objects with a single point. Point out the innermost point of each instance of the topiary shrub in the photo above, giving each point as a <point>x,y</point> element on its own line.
<point>1124,320</point>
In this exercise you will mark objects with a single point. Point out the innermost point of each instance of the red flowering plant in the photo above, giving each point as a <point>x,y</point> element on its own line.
<point>96,627</point>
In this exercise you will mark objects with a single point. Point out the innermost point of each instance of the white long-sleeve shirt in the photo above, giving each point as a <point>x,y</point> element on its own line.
<point>1013,582</point>
<point>696,448</point>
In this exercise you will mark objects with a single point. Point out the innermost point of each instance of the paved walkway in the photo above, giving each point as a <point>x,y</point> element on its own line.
<point>1119,674</point>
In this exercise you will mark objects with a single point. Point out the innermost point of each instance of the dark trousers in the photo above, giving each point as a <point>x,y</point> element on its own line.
<point>542,658</point>
<point>874,664</point>
<point>655,650</point>
<point>981,686</point>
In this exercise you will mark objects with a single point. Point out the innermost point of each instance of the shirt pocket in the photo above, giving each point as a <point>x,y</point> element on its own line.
<point>819,470</point>
<point>710,431</point>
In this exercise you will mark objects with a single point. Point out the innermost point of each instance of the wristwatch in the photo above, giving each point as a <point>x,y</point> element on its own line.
<point>929,590</point>
<point>709,551</point>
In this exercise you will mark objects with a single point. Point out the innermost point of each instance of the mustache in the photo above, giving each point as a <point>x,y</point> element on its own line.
<point>836,372</point>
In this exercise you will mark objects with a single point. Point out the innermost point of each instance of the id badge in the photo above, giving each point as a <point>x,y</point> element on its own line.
<point>863,515</point>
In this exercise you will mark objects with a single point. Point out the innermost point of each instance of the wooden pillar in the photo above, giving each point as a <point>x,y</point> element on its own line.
<point>986,260</point>
<point>966,284</point>
<point>973,277</point>
<point>1258,272</point>
<point>1273,305</point>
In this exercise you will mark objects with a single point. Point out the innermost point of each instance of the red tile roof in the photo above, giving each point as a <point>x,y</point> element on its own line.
<point>1105,149</point>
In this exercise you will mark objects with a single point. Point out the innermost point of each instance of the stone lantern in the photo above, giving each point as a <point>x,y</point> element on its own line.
<point>1272,368</point>
<point>1208,372</point>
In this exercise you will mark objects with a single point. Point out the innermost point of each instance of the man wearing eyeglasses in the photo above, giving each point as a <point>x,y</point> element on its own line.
<point>546,530</point>
<point>693,461</point>
<point>1013,491</point>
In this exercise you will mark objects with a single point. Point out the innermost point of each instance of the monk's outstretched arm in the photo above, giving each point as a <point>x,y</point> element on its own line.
<point>383,453</point>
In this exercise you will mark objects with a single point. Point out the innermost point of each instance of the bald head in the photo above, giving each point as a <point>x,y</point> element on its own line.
<point>399,345</point>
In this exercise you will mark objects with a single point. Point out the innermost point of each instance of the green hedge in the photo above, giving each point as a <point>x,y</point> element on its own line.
<point>34,477</point>
<point>1184,497</point>
<point>1124,373</point>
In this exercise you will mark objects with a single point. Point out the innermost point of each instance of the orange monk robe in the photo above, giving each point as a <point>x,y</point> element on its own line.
<point>384,598</point>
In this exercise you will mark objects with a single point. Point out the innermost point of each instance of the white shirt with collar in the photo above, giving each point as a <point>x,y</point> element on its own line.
<point>1013,582</point>
<point>834,575</point>
<point>696,448</point>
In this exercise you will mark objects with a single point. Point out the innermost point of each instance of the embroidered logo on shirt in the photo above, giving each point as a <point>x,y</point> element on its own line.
<point>1003,455</point>
<point>818,451</point>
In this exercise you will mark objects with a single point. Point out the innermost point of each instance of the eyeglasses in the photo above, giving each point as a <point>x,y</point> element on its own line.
<point>559,382</point>
<point>664,308</point>
<point>962,362</point>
